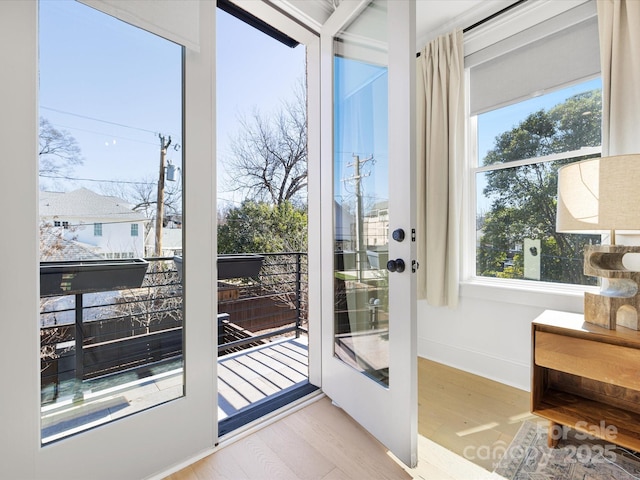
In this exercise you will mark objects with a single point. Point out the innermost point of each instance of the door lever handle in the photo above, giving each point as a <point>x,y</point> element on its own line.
<point>396,265</point>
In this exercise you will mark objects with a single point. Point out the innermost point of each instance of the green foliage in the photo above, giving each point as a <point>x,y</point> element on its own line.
<point>523,199</point>
<point>258,227</point>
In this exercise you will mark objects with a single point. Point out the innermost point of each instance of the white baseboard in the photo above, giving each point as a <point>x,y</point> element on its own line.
<point>509,372</point>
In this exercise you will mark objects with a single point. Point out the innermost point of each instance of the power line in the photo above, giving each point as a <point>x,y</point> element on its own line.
<point>62,177</point>
<point>104,134</point>
<point>87,117</point>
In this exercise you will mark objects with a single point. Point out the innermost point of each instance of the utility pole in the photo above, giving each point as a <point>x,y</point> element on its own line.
<point>164,145</point>
<point>357,180</point>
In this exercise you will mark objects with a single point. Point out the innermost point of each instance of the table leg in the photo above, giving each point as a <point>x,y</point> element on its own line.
<point>552,434</point>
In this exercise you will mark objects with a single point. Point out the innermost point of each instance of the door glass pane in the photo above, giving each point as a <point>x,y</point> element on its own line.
<point>361,214</point>
<point>111,309</point>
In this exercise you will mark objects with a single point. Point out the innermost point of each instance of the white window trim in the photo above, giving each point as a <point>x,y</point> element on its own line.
<point>519,291</point>
<point>547,295</point>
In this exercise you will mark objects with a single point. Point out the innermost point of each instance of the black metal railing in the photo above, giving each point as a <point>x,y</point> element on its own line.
<point>89,335</point>
<point>272,304</point>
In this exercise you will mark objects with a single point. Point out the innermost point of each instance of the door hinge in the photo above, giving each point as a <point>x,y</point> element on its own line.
<point>414,266</point>
<point>413,234</point>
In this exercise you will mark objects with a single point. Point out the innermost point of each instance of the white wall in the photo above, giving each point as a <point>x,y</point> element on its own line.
<point>489,334</point>
<point>116,237</point>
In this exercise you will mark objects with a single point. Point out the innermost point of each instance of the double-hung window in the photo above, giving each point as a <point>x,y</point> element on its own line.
<point>535,105</point>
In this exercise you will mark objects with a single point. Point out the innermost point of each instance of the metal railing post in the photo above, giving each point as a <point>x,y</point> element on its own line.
<point>79,346</point>
<point>298,293</point>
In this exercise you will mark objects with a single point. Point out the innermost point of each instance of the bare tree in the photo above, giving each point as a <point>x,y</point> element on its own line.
<point>269,161</point>
<point>142,195</point>
<point>59,150</point>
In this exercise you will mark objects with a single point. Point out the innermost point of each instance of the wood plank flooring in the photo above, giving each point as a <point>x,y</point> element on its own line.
<point>469,415</point>
<point>459,414</point>
<point>319,441</point>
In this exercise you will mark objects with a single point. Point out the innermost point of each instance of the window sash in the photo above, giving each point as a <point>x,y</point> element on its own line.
<point>531,161</point>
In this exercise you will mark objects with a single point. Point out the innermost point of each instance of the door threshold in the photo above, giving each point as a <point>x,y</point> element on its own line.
<point>262,412</point>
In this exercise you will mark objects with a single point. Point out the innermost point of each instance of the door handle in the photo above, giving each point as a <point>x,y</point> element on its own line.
<point>396,265</point>
<point>398,235</point>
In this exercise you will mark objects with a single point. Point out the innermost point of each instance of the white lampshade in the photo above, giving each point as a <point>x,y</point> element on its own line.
<point>599,194</point>
<point>578,194</point>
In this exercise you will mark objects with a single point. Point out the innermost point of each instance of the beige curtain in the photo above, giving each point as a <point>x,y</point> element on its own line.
<point>619,29</point>
<point>440,158</point>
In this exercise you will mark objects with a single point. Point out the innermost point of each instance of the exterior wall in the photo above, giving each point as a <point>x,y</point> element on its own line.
<point>115,238</point>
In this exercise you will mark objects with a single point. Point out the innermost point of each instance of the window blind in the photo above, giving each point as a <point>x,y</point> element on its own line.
<point>556,52</point>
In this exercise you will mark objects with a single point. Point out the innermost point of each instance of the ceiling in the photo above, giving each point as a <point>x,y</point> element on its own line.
<point>433,17</point>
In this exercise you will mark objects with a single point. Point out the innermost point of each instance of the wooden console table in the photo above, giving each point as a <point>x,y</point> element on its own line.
<point>586,377</point>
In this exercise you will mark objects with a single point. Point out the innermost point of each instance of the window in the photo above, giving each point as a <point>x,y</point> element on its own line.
<point>520,149</point>
<point>521,137</point>
<point>97,229</point>
<point>134,229</point>
<point>65,225</point>
<point>56,223</point>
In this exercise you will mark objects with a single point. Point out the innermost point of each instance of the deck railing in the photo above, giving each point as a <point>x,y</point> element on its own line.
<point>270,305</point>
<point>90,335</point>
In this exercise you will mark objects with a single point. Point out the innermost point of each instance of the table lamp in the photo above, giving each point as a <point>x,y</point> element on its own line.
<point>598,195</point>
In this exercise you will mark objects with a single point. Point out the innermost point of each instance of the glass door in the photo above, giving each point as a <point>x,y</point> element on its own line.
<point>369,352</point>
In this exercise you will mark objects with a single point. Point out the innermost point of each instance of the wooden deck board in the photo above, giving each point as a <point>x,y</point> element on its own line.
<point>255,374</point>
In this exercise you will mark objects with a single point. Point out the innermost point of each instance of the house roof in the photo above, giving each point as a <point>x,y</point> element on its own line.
<point>54,247</point>
<point>84,203</point>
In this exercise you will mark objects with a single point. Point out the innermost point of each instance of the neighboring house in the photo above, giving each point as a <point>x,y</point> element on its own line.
<point>376,225</point>
<point>171,242</point>
<point>344,226</point>
<point>104,225</point>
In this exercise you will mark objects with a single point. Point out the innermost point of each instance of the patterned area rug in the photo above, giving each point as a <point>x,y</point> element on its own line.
<point>577,457</point>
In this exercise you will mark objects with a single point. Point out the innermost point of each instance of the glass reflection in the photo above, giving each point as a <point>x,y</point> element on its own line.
<point>361,215</point>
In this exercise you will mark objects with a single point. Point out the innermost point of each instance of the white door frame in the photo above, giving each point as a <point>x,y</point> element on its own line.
<point>149,441</point>
<point>391,414</point>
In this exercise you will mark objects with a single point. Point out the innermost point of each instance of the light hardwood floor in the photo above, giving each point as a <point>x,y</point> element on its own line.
<point>470,415</point>
<point>459,415</point>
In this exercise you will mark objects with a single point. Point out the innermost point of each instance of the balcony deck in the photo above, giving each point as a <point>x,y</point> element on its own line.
<point>257,374</point>
<point>109,354</point>
<point>244,378</point>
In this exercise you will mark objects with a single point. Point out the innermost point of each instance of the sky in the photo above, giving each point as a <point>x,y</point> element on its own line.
<point>114,88</point>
